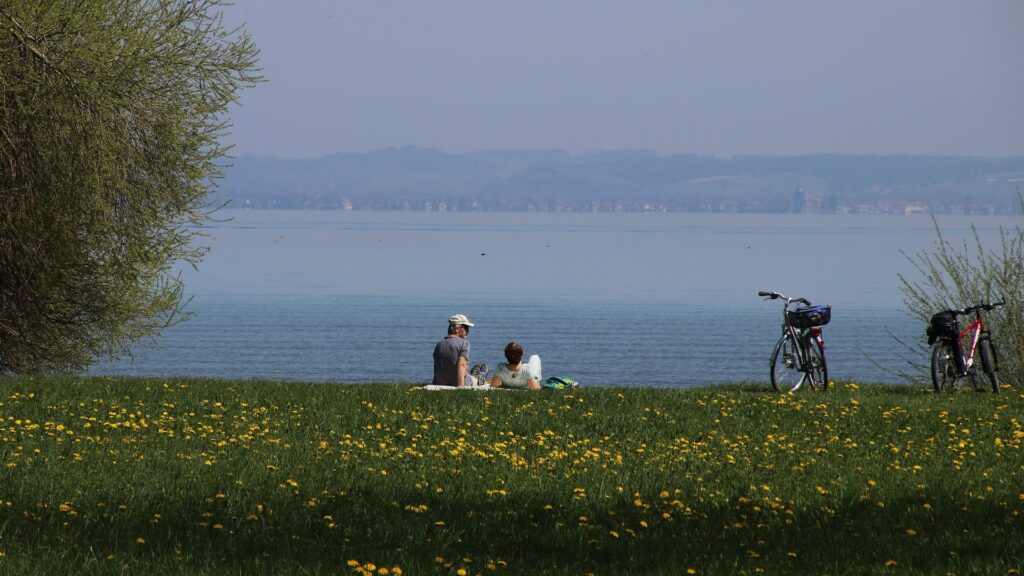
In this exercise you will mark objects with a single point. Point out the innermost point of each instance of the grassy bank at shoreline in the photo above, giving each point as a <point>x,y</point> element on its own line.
<point>118,475</point>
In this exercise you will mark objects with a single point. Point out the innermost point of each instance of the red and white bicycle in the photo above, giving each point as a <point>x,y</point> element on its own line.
<point>954,351</point>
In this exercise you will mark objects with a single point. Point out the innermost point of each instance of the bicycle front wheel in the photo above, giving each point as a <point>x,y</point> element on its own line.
<point>819,369</point>
<point>787,371</point>
<point>944,372</point>
<point>989,362</point>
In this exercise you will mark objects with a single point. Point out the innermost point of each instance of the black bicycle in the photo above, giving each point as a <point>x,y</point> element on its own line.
<point>952,362</point>
<point>799,356</point>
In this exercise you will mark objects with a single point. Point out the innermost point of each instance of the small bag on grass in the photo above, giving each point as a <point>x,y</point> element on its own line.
<point>560,383</point>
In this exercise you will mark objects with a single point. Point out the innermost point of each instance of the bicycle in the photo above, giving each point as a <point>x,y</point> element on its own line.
<point>950,365</point>
<point>799,356</point>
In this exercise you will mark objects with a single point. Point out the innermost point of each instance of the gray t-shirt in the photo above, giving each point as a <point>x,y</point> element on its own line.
<point>517,379</point>
<point>446,361</point>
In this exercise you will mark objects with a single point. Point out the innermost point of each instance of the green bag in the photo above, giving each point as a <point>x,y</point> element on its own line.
<point>560,383</point>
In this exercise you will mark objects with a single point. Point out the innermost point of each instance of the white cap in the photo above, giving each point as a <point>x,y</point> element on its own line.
<point>459,320</point>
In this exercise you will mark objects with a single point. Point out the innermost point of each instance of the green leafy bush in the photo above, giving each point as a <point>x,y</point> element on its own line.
<point>957,276</point>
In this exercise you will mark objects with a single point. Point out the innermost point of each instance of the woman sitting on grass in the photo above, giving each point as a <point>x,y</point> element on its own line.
<point>514,374</point>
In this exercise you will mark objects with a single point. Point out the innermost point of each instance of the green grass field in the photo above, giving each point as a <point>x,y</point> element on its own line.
<point>171,476</point>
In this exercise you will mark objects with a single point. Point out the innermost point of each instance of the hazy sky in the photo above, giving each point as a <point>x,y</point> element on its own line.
<point>733,77</point>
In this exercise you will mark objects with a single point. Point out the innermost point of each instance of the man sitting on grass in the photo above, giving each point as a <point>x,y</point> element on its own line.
<point>451,355</point>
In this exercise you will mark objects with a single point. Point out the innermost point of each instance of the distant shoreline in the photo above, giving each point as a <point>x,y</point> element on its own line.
<point>418,179</point>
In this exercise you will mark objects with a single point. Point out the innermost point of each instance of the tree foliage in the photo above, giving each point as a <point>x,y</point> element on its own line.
<point>953,277</point>
<point>111,115</point>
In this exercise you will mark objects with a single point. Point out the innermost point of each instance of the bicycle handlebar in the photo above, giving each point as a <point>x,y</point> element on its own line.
<point>986,306</point>
<point>776,295</point>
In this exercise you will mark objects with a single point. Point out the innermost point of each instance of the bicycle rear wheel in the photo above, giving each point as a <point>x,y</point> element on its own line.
<point>819,369</point>
<point>787,372</point>
<point>944,372</point>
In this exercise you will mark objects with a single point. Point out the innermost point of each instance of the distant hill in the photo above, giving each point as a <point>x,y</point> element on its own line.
<point>624,180</point>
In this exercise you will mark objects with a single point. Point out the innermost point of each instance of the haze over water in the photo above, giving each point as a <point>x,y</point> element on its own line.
<point>609,299</point>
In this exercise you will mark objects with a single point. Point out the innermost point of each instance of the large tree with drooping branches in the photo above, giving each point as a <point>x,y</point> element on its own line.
<point>112,114</point>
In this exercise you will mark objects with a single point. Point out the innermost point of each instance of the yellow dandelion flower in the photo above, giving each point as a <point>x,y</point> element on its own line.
<point>911,532</point>
<point>461,572</point>
<point>890,563</point>
<point>140,540</point>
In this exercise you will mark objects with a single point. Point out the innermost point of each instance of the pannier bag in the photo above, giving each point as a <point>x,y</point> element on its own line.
<point>811,316</point>
<point>943,325</point>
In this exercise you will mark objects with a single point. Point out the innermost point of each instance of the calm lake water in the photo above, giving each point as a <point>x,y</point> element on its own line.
<point>608,299</point>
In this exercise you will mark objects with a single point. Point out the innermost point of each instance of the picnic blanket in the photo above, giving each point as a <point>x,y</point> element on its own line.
<point>481,388</point>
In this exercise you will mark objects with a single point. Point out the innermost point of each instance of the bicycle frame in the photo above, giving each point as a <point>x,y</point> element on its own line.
<point>803,339</point>
<point>965,361</point>
<point>802,335</point>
